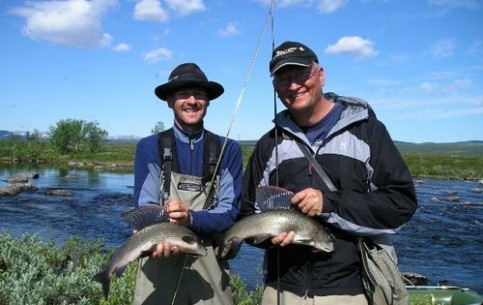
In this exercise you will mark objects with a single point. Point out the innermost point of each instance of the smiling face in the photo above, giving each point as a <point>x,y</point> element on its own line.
<point>299,89</point>
<point>189,106</point>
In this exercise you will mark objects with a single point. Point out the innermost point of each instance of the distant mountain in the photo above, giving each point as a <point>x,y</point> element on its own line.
<point>123,139</point>
<point>4,134</point>
<point>464,147</point>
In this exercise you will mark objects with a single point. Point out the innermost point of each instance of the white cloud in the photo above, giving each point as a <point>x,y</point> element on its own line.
<point>157,54</point>
<point>230,30</point>
<point>468,4</point>
<point>400,58</point>
<point>353,45</point>
<point>186,7</point>
<point>287,3</point>
<point>442,48</point>
<point>154,10</point>
<point>150,10</point>
<point>476,49</point>
<point>430,108</point>
<point>324,6</point>
<point>457,85</point>
<point>73,23</point>
<point>426,87</point>
<point>330,6</point>
<point>122,47</point>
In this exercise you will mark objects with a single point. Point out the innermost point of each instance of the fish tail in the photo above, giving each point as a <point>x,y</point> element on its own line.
<point>103,278</point>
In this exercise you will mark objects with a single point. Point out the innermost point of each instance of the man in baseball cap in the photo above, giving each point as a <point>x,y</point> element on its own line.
<point>372,191</point>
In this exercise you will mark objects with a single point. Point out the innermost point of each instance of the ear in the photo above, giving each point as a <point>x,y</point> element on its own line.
<point>170,102</point>
<point>322,77</point>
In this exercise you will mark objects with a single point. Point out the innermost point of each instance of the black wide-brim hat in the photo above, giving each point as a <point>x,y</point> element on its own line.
<point>188,75</point>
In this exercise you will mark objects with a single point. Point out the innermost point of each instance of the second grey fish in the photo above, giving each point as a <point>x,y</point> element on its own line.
<point>268,224</point>
<point>273,220</point>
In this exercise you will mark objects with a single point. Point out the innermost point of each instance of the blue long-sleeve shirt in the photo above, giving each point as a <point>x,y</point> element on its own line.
<point>189,151</point>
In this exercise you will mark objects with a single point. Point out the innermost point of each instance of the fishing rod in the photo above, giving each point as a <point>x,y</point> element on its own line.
<point>268,18</point>
<point>239,100</point>
<point>275,111</point>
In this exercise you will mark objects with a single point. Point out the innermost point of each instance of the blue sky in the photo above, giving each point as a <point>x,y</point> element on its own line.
<point>419,63</point>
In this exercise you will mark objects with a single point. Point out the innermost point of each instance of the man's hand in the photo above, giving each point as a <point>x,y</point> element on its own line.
<point>283,239</point>
<point>164,250</point>
<point>309,201</point>
<point>179,213</point>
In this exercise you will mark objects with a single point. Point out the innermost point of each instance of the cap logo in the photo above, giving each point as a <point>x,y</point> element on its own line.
<point>287,51</point>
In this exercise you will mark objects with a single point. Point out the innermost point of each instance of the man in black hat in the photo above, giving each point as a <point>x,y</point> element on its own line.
<point>375,193</point>
<point>192,192</point>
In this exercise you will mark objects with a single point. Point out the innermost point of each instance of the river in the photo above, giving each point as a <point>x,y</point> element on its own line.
<point>443,241</point>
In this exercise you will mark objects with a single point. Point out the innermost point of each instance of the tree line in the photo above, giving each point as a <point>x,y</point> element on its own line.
<point>80,136</point>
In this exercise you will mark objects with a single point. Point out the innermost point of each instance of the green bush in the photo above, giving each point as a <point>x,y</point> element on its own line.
<point>37,272</point>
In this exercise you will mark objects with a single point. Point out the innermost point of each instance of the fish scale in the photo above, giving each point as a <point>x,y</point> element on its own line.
<point>267,224</point>
<point>140,244</point>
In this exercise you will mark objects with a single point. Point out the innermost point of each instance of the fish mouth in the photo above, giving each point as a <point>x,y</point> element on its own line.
<point>328,248</point>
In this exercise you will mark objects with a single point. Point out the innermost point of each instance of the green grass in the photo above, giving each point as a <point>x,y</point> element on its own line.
<point>467,167</point>
<point>462,160</point>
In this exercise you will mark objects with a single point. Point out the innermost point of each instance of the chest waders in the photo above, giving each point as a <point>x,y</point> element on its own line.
<point>184,279</point>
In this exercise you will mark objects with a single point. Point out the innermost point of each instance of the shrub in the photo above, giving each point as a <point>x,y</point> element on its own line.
<point>37,272</point>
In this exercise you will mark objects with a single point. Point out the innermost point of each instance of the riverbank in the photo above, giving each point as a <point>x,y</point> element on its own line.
<point>442,226</point>
<point>460,161</point>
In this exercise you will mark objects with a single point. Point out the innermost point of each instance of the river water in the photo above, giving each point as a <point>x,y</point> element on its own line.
<point>443,241</point>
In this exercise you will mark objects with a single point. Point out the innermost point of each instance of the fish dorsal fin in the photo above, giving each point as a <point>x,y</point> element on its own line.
<point>273,197</point>
<point>144,216</point>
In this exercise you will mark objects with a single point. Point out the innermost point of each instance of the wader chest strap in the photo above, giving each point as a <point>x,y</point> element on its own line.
<point>167,152</point>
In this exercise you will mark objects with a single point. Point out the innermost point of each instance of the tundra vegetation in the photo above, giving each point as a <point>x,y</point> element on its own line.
<point>427,160</point>
<point>38,272</point>
<point>33,271</point>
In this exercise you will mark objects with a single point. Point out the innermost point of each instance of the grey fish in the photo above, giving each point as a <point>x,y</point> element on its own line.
<point>273,220</point>
<point>140,244</point>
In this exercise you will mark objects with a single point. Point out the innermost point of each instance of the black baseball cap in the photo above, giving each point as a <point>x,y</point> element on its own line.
<point>291,53</point>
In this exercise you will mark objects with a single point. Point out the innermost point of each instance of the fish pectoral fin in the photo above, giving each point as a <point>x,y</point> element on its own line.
<point>120,270</point>
<point>304,241</point>
<point>145,253</point>
<point>189,239</point>
<point>229,249</point>
<point>261,238</point>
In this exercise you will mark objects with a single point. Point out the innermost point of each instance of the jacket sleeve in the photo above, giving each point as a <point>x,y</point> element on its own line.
<point>390,199</point>
<point>223,216</point>
<point>146,172</point>
<point>255,175</point>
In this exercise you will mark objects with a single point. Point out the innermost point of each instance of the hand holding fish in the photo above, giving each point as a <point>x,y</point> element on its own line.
<point>309,201</point>
<point>164,249</point>
<point>279,223</point>
<point>283,239</point>
<point>179,212</point>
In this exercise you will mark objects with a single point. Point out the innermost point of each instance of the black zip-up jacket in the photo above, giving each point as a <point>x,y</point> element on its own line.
<point>375,197</point>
